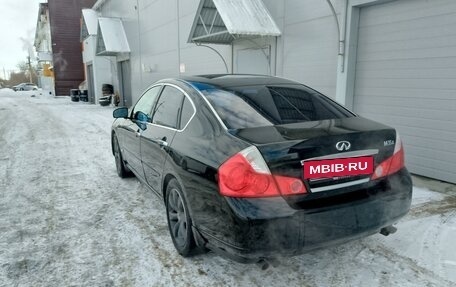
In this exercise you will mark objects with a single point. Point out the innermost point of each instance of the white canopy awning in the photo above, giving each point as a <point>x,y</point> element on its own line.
<point>89,23</point>
<point>222,21</point>
<point>111,37</point>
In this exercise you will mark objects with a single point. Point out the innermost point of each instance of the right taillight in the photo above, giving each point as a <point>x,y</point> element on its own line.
<point>246,175</point>
<point>392,164</point>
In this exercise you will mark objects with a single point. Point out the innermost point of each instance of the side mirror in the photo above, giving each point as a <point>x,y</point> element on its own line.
<point>120,113</point>
<point>141,120</point>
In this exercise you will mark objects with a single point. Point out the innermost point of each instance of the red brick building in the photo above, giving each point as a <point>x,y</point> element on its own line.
<point>65,23</point>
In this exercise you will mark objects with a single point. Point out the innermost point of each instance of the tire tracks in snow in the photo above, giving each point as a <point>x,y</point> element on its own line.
<point>399,260</point>
<point>69,220</point>
<point>447,205</point>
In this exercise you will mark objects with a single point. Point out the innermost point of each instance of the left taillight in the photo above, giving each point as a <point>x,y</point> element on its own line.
<point>246,174</point>
<point>392,164</point>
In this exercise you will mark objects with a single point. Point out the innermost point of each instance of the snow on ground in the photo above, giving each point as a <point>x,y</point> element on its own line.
<point>66,219</point>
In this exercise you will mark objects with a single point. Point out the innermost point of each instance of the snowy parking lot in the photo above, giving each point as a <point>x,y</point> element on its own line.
<point>67,219</point>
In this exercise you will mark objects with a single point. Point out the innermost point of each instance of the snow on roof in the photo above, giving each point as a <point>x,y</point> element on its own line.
<point>222,21</point>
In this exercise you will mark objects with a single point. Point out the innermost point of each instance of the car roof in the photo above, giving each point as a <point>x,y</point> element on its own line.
<point>236,80</point>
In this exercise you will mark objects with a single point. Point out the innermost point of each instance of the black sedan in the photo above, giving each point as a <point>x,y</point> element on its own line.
<point>254,167</point>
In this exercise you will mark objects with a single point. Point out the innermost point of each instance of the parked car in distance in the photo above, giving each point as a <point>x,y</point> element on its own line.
<point>255,167</point>
<point>25,87</point>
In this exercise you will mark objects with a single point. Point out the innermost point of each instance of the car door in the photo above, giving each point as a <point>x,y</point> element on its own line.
<point>157,138</point>
<point>131,133</point>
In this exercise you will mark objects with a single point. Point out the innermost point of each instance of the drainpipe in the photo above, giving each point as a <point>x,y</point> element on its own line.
<point>344,33</point>
<point>178,40</point>
<point>139,43</point>
<point>232,58</point>
<point>340,32</point>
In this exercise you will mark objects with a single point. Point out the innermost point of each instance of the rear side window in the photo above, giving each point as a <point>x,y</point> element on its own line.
<point>235,111</point>
<point>187,112</point>
<point>167,109</point>
<point>245,107</point>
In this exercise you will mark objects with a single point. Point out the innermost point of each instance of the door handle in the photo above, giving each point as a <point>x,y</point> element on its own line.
<point>138,133</point>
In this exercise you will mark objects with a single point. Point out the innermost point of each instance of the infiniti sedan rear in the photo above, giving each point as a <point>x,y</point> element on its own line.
<point>254,167</point>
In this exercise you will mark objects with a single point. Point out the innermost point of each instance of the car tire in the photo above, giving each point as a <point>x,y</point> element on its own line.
<point>179,221</point>
<point>122,170</point>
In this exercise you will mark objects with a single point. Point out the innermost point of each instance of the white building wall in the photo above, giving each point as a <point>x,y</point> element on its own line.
<point>307,51</point>
<point>308,48</point>
<point>44,34</point>
<point>47,84</point>
<point>43,46</point>
<point>159,40</point>
<point>88,51</point>
<point>198,59</point>
<point>105,69</point>
<point>157,32</point>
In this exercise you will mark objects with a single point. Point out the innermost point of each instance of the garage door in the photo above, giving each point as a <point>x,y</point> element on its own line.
<point>406,78</point>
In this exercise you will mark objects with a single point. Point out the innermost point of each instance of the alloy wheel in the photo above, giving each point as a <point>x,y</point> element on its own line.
<point>177,217</point>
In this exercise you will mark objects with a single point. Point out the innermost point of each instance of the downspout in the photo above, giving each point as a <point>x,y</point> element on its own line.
<point>140,48</point>
<point>232,58</point>
<point>275,55</point>
<point>344,34</point>
<point>178,40</point>
<point>340,32</point>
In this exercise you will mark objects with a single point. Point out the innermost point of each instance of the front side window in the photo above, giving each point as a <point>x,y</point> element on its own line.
<point>167,109</point>
<point>146,102</point>
<point>255,106</point>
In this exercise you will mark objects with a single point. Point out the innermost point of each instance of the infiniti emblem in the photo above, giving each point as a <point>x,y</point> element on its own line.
<point>343,145</point>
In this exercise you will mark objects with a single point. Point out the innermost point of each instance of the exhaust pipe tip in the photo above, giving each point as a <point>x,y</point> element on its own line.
<point>388,230</point>
<point>265,263</point>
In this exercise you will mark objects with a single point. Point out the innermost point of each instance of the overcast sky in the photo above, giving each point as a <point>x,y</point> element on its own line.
<point>17,25</point>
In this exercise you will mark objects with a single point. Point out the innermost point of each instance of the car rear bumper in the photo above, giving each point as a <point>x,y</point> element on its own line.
<point>271,228</point>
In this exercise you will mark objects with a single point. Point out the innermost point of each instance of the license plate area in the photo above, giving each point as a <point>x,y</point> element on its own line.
<point>338,167</point>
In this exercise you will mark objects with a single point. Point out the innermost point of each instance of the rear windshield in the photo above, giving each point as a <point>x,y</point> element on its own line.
<point>256,106</point>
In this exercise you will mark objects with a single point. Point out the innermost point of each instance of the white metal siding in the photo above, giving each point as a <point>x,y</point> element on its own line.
<point>306,51</point>
<point>308,46</point>
<point>158,41</point>
<point>406,78</point>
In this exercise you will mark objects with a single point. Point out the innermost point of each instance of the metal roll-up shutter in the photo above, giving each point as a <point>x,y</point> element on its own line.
<point>406,78</point>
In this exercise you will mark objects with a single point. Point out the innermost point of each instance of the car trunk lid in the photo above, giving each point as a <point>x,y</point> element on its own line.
<point>287,148</point>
